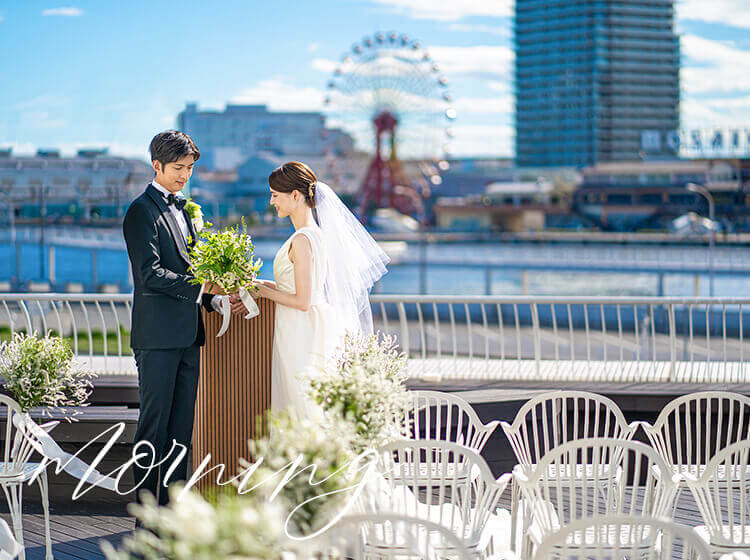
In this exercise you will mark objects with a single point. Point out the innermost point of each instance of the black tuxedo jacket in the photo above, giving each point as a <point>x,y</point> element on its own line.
<point>165,313</point>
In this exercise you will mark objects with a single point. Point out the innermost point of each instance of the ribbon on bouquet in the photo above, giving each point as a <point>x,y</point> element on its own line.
<point>226,310</point>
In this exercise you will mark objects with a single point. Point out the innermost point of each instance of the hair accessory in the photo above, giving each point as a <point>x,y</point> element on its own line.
<point>310,191</point>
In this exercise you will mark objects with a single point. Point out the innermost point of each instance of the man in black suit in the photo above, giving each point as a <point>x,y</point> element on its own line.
<point>167,325</point>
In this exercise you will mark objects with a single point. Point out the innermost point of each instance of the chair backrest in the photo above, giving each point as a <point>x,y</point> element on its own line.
<point>415,538</point>
<point>443,416</point>
<point>722,493</point>
<point>17,449</point>
<point>595,477</point>
<point>620,536</point>
<point>551,419</point>
<point>445,482</point>
<point>693,428</point>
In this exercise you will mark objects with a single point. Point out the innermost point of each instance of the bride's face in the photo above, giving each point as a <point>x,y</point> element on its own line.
<point>284,203</point>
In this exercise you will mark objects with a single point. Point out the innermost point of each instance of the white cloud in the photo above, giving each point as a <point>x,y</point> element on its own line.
<point>502,30</point>
<point>728,12</point>
<point>445,10</point>
<point>706,113</point>
<point>480,60</point>
<point>324,65</point>
<point>480,140</point>
<point>67,12</point>
<point>714,66</point>
<point>313,47</point>
<point>280,95</point>
<point>502,104</point>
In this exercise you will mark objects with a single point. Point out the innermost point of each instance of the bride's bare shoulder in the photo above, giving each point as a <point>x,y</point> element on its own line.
<point>300,246</point>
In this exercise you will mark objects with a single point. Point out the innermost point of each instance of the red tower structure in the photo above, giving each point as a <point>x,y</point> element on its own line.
<point>390,95</point>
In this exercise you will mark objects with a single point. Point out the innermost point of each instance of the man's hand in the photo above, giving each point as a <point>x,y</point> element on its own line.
<point>236,304</point>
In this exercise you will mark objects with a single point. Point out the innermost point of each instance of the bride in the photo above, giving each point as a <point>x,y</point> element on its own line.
<point>322,277</point>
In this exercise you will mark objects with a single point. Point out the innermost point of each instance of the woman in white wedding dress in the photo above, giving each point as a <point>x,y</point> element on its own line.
<point>322,276</point>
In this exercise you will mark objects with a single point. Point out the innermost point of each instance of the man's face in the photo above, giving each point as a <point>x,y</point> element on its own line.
<point>174,175</point>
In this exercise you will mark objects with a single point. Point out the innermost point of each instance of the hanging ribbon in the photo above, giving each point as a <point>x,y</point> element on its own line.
<point>226,309</point>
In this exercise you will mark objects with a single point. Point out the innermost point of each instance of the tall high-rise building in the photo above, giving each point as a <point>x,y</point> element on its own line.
<point>595,80</point>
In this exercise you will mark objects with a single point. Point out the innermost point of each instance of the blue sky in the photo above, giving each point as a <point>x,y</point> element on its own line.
<point>113,73</point>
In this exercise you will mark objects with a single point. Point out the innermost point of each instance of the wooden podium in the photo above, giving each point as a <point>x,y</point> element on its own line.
<point>234,389</point>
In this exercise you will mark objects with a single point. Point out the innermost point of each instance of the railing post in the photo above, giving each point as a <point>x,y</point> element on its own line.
<point>537,340</point>
<point>672,343</point>
<point>404,328</point>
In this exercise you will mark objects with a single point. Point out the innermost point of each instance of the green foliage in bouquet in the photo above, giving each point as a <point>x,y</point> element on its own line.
<point>366,387</point>
<point>225,258</point>
<point>40,372</point>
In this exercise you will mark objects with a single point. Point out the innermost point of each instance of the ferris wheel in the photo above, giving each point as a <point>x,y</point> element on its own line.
<point>392,97</point>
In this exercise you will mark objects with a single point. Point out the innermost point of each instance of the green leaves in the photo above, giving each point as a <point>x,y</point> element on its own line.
<point>225,258</point>
<point>40,372</point>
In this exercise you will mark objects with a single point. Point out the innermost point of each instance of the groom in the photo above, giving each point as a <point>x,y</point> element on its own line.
<point>167,325</point>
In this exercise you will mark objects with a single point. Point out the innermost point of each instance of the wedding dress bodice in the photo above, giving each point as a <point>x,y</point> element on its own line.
<point>283,267</point>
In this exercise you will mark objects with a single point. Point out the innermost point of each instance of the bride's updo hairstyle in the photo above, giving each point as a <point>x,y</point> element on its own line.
<point>295,176</point>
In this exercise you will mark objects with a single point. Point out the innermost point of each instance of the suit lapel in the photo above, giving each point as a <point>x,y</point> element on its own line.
<point>174,227</point>
<point>191,228</point>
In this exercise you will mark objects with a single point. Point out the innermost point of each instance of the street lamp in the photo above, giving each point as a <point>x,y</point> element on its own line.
<point>699,189</point>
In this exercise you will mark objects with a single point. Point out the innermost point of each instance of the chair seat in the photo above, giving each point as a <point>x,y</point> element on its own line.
<point>603,537</point>
<point>572,473</point>
<point>734,472</point>
<point>9,475</point>
<point>404,473</point>
<point>731,538</point>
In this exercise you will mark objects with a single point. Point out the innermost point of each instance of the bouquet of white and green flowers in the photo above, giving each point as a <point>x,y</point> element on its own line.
<point>366,387</point>
<point>40,372</point>
<point>225,259</point>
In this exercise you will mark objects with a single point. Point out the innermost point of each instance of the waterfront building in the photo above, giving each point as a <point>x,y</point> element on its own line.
<point>633,195</point>
<point>594,81</point>
<point>228,138</point>
<point>90,187</point>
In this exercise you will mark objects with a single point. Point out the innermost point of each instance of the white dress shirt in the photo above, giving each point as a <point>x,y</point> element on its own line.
<point>180,217</point>
<point>178,214</point>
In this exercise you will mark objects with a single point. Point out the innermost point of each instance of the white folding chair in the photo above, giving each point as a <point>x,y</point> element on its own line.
<point>16,470</point>
<point>553,497</point>
<point>722,493</point>
<point>460,494</point>
<point>622,537</point>
<point>692,429</point>
<point>551,419</point>
<point>400,536</point>
<point>444,417</point>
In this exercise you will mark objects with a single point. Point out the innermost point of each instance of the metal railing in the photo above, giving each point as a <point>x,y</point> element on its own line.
<point>602,339</point>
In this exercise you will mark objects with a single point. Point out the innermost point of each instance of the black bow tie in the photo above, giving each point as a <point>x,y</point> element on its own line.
<point>178,201</point>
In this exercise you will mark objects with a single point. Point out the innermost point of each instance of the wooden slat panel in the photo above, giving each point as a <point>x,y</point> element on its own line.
<point>234,389</point>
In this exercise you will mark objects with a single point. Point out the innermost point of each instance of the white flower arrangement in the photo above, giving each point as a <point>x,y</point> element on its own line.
<point>327,467</point>
<point>252,523</point>
<point>191,528</point>
<point>366,387</point>
<point>41,372</point>
<point>195,212</point>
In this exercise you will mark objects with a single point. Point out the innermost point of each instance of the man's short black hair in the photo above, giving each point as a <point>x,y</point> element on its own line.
<point>171,145</point>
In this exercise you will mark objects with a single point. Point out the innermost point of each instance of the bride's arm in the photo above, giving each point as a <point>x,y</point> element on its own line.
<point>301,256</point>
